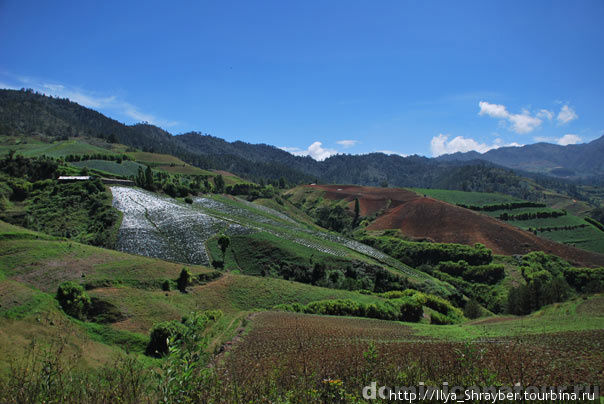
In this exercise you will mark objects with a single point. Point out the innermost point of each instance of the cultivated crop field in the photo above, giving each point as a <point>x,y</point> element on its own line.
<point>466,198</point>
<point>305,351</point>
<point>126,168</point>
<point>566,229</point>
<point>31,147</point>
<point>162,227</point>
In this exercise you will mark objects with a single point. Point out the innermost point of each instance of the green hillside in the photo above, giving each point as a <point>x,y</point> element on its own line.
<point>197,285</point>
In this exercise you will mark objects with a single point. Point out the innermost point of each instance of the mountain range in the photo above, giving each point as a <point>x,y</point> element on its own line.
<point>28,113</point>
<point>578,160</point>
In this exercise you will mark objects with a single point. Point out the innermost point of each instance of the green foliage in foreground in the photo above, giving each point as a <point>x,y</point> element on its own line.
<point>190,329</point>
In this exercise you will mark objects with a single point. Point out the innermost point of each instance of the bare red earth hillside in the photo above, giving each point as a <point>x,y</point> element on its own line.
<point>421,217</point>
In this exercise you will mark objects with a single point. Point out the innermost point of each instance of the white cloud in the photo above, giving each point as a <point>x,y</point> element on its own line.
<point>315,150</point>
<point>524,123</point>
<point>545,114</point>
<point>569,139</point>
<point>347,143</point>
<point>493,110</point>
<point>566,115</point>
<point>521,123</point>
<point>441,144</point>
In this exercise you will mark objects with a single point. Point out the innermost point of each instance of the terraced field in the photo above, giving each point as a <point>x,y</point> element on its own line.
<point>567,229</point>
<point>124,169</point>
<point>161,227</point>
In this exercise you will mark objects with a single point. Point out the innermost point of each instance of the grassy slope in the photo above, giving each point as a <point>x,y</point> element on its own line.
<point>574,315</point>
<point>33,265</point>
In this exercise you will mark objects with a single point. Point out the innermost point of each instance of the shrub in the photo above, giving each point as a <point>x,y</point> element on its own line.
<point>208,276</point>
<point>489,274</point>
<point>585,279</point>
<point>417,253</point>
<point>472,309</point>
<point>396,294</point>
<point>162,334</point>
<point>73,299</point>
<point>411,310</point>
<point>165,286</point>
<point>439,319</point>
<point>190,330</point>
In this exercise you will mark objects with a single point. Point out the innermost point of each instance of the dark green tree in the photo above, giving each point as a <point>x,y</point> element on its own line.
<point>149,179</point>
<point>219,183</point>
<point>183,280</point>
<point>223,242</point>
<point>357,210</point>
<point>472,309</point>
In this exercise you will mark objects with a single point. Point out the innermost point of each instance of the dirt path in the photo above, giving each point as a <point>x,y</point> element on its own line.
<point>237,337</point>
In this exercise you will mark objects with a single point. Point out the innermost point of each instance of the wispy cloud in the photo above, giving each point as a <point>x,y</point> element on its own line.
<point>545,114</point>
<point>315,150</point>
<point>441,144</point>
<point>90,99</point>
<point>566,115</point>
<point>347,143</point>
<point>520,123</point>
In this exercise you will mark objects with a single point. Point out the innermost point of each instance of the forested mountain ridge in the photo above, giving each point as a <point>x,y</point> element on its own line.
<point>26,113</point>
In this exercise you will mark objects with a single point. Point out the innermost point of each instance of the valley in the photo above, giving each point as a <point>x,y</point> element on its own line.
<point>273,284</point>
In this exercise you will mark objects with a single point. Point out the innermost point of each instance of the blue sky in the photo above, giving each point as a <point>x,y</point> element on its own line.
<point>321,77</point>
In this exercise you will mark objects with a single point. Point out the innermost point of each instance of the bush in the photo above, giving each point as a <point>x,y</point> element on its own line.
<point>472,309</point>
<point>405,309</point>
<point>585,279</point>
<point>396,294</point>
<point>536,294</point>
<point>208,276</point>
<point>190,330</point>
<point>439,319</point>
<point>411,310</point>
<point>162,334</point>
<point>73,299</point>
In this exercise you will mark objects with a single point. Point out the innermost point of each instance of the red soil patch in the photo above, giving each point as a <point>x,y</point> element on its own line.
<point>420,217</point>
